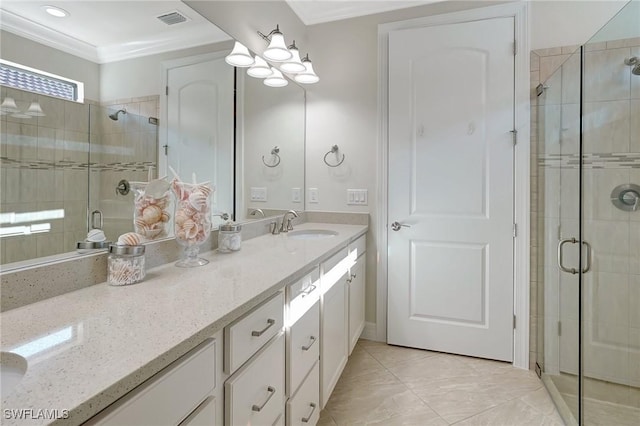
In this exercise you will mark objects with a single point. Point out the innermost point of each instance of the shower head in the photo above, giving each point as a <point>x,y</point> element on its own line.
<point>114,116</point>
<point>634,62</point>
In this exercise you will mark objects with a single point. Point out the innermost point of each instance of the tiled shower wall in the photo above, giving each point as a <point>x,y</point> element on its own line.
<point>611,145</point>
<point>45,167</point>
<point>127,148</point>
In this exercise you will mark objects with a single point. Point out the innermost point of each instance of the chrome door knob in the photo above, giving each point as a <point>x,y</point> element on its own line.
<point>397,225</point>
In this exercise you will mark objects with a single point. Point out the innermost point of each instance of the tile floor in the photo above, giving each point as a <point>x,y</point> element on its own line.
<point>390,385</point>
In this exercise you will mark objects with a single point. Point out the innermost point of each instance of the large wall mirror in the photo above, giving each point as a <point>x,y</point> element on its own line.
<point>75,167</point>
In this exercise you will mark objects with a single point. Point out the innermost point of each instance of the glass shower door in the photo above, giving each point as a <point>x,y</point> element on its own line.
<point>559,225</point>
<point>611,222</point>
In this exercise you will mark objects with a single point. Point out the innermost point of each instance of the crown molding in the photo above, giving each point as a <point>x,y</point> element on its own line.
<point>40,34</point>
<point>103,54</point>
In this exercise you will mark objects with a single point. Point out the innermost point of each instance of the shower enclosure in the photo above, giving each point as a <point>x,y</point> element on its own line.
<point>59,171</point>
<point>588,210</point>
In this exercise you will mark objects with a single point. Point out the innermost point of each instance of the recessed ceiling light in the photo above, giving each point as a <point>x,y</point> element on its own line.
<point>55,11</point>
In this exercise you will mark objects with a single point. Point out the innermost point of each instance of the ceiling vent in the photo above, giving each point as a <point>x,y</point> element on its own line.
<point>171,18</point>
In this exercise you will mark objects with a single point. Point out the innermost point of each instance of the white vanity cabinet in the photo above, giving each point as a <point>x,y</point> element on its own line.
<point>184,390</point>
<point>255,394</point>
<point>356,284</point>
<point>334,322</point>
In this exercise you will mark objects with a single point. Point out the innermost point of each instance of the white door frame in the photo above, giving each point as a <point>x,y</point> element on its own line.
<point>519,12</point>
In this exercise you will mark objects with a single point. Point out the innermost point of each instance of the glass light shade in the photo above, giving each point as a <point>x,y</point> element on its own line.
<point>9,105</point>
<point>276,79</point>
<point>239,56</point>
<point>260,69</point>
<point>35,110</point>
<point>308,76</point>
<point>293,65</point>
<point>277,50</point>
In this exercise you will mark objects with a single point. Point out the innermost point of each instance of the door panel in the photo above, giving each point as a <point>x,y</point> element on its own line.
<point>451,97</point>
<point>200,108</point>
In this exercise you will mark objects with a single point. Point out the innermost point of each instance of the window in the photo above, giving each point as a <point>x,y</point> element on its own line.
<point>36,81</point>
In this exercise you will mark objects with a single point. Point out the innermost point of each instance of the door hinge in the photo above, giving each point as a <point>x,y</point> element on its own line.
<point>515,47</point>
<point>166,90</point>
<point>514,322</point>
<point>559,328</point>
<point>514,135</point>
<point>515,230</point>
<point>166,149</point>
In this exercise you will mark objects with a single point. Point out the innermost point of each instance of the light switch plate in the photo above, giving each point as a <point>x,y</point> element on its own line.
<point>313,195</point>
<point>295,195</point>
<point>357,197</point>
<point>258,194</point>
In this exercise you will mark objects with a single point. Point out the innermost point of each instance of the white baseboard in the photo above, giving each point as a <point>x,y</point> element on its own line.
<point>370,331</point>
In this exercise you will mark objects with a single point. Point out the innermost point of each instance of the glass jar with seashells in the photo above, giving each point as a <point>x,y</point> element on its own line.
<point>151,217</point>
<point>192,220</point>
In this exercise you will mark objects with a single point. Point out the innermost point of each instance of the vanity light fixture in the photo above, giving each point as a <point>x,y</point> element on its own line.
<point>276,79</point>
<point>277,50</point>
<point>9,106</point>
<point>239,56</point>
<point>308,76</point>
<point>55,11</point>
<point>260,69</point>
<point>35,110</point>
<point>293,65</point>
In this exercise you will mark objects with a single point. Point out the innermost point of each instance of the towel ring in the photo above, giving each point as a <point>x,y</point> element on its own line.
<point>334,149</point>
<point>275,152</point>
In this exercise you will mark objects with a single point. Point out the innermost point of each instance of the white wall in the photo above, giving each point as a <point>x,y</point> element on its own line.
<point>143,76</point>
<point>567,23</point>
<point>26,52</point>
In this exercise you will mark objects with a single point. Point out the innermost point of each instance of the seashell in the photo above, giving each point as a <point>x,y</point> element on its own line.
<point>165,217</point>
<point>152,233</point>
<point>130,239</point>
<point>180,189</point>
<point>162,202</point>
<point>187,209</point>
<point>139,222</point>
<point>205,189</point>
<point>96,235</point>
<point>198,200</point>
<point>181,216</point>
<point>152,214</point>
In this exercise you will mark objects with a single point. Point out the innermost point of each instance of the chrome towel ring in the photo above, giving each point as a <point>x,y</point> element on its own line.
<point>334,149</point>
<point>275,151</point>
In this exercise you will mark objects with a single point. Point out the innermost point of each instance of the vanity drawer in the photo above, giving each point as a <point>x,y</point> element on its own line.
<point>302,294</point>
<point>303,347</point>
<point>254,395</point>
<point>169,396</point>
<point>246,336</point>
<point>204,415</point>
<point>334,260</point>
<point>304,407</point>
<point>358,246</point>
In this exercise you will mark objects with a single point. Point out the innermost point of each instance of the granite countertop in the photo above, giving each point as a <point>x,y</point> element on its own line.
<point>87,348</point>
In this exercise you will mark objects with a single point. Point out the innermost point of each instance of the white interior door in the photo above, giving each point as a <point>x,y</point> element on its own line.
<point>451,112</point>
<point>200,111</point>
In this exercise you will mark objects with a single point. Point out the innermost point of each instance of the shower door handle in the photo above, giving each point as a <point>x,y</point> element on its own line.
<point>560,257</point>
<point>587,266</point>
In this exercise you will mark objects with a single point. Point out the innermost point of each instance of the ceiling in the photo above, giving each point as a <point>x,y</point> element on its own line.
<point>318,11</point>
<point>107,31</point>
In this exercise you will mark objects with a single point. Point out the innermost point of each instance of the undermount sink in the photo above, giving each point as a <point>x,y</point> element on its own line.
<point>12,369</point>
<point>311,234</point>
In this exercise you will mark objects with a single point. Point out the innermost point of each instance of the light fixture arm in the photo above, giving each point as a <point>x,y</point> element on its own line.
<point>267,37</point>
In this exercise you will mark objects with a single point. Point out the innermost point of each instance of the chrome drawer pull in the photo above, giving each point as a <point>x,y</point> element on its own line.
<point>313,408</point>
<point>308,291</point>
<point>258,408</point>
<point>306,348</point>
<point>261,332</point>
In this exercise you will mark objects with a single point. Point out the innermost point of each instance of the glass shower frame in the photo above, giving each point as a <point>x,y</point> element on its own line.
<point>588,122</point>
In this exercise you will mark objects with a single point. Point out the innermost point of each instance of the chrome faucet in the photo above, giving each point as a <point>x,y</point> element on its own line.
<point>286,223</point>
<point>254,211</point>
